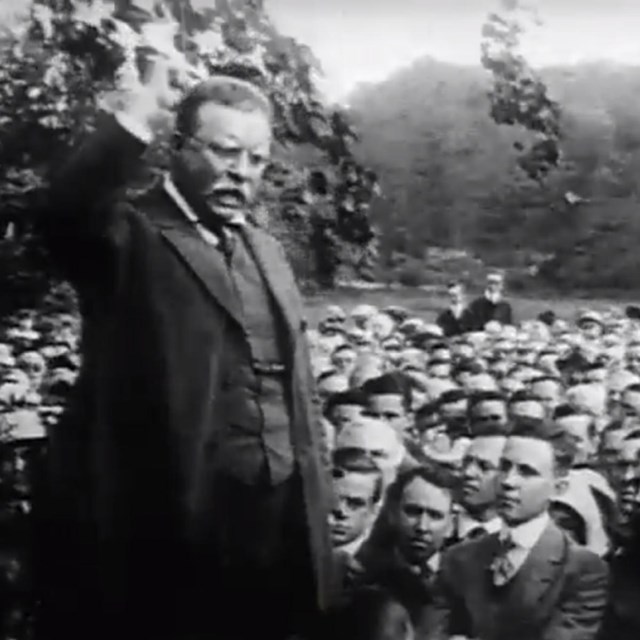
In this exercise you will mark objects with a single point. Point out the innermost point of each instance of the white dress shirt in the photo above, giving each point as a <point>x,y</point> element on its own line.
<point>525,536</point>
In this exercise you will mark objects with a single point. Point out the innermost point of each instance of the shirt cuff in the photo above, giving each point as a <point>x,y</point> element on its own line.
<point>134,127</point>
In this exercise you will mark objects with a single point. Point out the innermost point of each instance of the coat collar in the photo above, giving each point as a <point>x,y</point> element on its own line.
<point>208,264</point>
<point>524,596</point>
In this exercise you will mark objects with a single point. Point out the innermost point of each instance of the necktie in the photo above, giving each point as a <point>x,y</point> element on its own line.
<point>502,568</point>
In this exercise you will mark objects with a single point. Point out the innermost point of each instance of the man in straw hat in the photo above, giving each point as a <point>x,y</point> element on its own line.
<point>190,479</point>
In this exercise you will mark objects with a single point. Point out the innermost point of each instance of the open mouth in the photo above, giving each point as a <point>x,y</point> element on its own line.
<point>228,199</point>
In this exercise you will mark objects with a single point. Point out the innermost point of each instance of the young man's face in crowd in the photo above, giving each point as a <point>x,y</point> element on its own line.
<point>550,394</point>
<point>527,409</point>
<point>630,403</point>
<point>625,479</point>
<point>590,330</point>
<point>611,443</point>
<point>495,284</point>
<point>423,520</point>
<point>354,505</point>
<point>344,360</point>
<point>343,414</point>
<point>633,358</point>
<point>527,479</point>
<point>580,428</point>
<point>391,408</point>
<point>480,473</point>
<point>489,412</point>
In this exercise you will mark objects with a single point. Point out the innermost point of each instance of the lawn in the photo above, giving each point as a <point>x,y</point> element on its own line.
<point>426,304</point>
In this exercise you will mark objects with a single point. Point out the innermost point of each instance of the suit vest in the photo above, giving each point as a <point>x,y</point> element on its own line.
<point>254,407</point>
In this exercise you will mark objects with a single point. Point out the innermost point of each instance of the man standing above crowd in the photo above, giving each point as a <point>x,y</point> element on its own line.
<point>491,305</point>
<point>191,482</point>
<point>455,320</point>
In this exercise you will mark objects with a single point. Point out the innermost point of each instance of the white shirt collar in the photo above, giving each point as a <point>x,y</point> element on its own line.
<point>527,534</point>
<point>434,562</point>
<point>210,237</point>
<point>466,524</point>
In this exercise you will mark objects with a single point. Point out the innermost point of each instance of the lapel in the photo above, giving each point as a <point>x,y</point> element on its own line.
<point>204,261</point>
<point>534,582</point>
<point>276,274</point>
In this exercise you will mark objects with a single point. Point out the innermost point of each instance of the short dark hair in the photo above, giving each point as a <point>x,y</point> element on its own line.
<point>563,446</point>
<point>523,396</point>
<point>354,460</point>
<point>564,411</point>
<point>351,397</point>
<point>490,430</point>
<point>230,87</point>
<point>389,384</point>
<point>485,396</point>
<point>451,396</point>
<point>432,473</point>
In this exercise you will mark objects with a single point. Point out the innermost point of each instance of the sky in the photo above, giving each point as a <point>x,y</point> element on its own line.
<point>366,40</point>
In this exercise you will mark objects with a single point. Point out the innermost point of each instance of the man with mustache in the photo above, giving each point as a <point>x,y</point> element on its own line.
<point>190,479</point>
<point>529,581</point>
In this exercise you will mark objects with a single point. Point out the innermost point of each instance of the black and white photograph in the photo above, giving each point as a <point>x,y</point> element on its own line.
<point>319,320</point>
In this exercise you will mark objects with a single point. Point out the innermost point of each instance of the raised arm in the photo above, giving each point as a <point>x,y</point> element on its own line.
<point>74,204</point>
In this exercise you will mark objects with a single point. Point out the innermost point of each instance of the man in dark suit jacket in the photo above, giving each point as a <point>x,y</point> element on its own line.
<point>457,318</point>
<point>190,479</point>
<point>402,554</point>
<point>529,581</point>
<point>490,305</point>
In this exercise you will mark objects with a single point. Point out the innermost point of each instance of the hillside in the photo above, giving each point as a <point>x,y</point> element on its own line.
<point>448,171</point>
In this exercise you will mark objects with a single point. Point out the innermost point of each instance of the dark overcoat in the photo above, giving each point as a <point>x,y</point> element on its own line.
<point>133,464</point>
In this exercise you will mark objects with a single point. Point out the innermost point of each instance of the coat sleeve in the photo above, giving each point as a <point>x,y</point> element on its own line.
<point>76,209</point>
<point>579,615</point>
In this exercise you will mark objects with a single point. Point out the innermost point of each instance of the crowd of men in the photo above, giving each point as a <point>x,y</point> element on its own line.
<point>486,474</point>
<point>39,364</point>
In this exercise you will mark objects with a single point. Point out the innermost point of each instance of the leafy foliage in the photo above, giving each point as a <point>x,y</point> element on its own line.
<point>63,60</point>
<point>450,177</point>
<point>519,96</point>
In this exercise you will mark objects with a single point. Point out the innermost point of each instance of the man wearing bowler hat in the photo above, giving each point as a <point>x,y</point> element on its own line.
<point>189,478</point>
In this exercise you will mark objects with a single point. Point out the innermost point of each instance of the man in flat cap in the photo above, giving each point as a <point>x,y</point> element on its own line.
<point>190,480</point>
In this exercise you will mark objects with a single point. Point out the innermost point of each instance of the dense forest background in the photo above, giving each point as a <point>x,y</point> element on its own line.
<point>450,179</point>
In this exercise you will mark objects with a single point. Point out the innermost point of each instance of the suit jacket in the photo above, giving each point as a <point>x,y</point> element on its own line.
<point>622,617</point>
<point>381,565</point>
<point>482,311</point>
<point>559,593</point>
<point>133,465</point>
<point>453,326</point>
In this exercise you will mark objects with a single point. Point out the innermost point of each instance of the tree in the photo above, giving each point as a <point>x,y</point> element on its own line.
<point>63,60</point>
<point>519,96</point>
